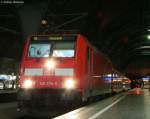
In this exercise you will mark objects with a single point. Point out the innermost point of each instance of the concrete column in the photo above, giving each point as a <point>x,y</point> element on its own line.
<point>30,15</point>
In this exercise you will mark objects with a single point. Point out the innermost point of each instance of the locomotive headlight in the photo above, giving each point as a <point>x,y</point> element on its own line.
<point>28,84</point>
<point>70,84</point>
<point>50,64</point>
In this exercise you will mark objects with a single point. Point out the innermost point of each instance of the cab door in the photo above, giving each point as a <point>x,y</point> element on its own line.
<point>88,71</point>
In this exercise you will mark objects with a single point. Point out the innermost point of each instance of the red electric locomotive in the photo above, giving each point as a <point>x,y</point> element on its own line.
<point>62,67</point>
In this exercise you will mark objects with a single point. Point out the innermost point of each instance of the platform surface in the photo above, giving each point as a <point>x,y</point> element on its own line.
<point>134,104</point>
<point>8,91</point>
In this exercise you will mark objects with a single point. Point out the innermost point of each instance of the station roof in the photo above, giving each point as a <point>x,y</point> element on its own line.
<point>118,28</point>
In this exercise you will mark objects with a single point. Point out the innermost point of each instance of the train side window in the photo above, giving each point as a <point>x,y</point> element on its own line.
<point>88,54</point>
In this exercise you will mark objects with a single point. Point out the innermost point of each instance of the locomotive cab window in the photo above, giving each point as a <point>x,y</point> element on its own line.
<point>55,48</point>
<point>64,49</point>
<point>39,50</point>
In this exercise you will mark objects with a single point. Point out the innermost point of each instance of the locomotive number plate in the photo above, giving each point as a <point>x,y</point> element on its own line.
<point>48,83</point>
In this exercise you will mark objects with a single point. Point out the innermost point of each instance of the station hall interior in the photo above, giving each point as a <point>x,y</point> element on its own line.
<point>118,29</point>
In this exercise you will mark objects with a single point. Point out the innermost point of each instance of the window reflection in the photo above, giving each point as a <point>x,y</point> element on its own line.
<point>63,53</point>
<point>39,50</point>
<point>55,49</point>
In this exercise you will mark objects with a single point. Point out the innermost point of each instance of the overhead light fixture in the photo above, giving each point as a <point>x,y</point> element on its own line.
<point>148,37</point>
<point>142,47</point>
<point>44,22</point>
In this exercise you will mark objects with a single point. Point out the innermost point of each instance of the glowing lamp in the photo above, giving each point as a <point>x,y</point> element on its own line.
<point>50,64</point>
<point>28,84</point>
<point>44,22</point>
<point>69,84</point>
<point>148,37</point>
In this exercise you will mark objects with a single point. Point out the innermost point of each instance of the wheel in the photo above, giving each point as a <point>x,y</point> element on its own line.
<point>84,98</point>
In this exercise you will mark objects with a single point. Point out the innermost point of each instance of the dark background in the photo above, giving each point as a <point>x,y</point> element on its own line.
<point>117,28</point>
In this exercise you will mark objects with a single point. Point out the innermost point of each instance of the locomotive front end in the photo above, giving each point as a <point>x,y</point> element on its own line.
<point>48,72</point>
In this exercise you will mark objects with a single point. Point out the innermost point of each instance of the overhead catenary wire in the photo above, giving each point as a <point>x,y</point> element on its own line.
<point>9,30</point>
<point>69,21</point>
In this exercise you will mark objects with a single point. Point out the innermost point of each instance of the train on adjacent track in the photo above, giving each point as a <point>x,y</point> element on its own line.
<point>64,67</point>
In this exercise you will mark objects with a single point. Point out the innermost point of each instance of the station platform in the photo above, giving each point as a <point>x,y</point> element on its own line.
<point>134,104</point>
<point>9,91</point>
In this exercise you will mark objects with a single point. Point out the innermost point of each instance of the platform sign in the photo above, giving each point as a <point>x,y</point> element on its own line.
<point>4,77</point>
<point>145,78</point>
